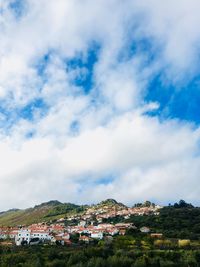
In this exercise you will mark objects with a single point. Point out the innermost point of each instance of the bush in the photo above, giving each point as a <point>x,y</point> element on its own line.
<point>184,243</point>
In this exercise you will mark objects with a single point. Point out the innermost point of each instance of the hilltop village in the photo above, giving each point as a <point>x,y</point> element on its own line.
<point>95,223</point>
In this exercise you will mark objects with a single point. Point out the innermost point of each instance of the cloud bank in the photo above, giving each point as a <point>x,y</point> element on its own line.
<point>75,121</point>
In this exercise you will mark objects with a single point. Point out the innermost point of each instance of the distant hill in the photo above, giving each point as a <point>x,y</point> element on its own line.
<point>111,202</point>
<point>44,212</point>
<point>49,211</point>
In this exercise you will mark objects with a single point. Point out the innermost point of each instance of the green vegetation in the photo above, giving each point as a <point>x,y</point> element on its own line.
<point>109,203</point>
<point>124,251</point>
<point>65,208</point>
<point>178,247</point>
<point>178,221</point>
<point>51,210</point>
<point>145,204</point>
<point>48,211</point>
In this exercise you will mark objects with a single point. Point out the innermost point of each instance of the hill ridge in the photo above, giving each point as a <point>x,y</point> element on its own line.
<point>50,210</point>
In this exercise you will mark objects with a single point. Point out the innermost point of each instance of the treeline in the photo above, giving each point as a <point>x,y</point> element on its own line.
<point>102,255</point>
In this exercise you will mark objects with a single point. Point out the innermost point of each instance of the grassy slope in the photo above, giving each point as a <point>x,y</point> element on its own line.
<point>44,212</point>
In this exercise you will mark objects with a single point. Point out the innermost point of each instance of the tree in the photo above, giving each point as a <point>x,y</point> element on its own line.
<point>147,203</point>
<point>183,204</point>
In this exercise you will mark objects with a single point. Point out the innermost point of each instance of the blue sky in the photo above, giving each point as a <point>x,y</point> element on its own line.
<point>99,101</point>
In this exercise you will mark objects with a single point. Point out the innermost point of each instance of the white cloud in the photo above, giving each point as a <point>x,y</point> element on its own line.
<point>174,28</point>
<point>146,158</point>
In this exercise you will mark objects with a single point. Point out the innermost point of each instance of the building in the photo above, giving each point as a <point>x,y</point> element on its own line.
<point>42,235</point>
<point>156,235</point>
<point>23,237</point>
<point>3,235</point>
<point>145,229</point>
<point>97,235</point>
<point>84,238</point>
<point>27,236</point>
<point>82,223</point>
<point>13,234</point>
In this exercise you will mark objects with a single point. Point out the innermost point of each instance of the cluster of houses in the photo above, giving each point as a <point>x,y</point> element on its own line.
<point>58,233</point>
<point>107,212</point>
<point>89,226</point>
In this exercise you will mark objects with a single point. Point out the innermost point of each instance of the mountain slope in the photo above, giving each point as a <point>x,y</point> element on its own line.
<point>44,212</point>
<point>53,210</point>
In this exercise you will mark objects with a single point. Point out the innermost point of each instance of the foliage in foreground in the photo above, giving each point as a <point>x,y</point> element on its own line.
<point>123,251</point>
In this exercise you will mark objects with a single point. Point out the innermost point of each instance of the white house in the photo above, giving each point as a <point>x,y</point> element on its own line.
<point>113,231</point>
<point>3,235</point>
<point>97,235</point>
<point>23,236</point>
<point>145,229</point>
<point>82,223</point>
<point>42,235</point>
<point>13,234</point>
<point>66,236</point>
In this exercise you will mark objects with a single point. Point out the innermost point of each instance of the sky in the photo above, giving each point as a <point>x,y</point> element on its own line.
<point>99,99</point>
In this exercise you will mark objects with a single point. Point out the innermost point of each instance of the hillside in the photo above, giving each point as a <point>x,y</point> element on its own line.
<point>52,210</point>
<point>108,204</point>
<point>44,212</point>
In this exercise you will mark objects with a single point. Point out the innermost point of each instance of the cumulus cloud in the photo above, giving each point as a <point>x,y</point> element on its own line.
<point>146,158</point>
<point>97,139</point>
<point>174,29</point>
